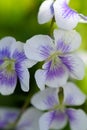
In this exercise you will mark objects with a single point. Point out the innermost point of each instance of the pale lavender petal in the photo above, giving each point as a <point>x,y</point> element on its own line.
<point>65,17</point>
<point>73,96</point>
<point>74,65</point>
<point>77,119</point>
<point>38,47</point>
<point>29,120</point>
<point>8,82</point>
<point>66,40</point>
<point>5,53</point>
<point>45,99</point>
<point>56,73</point>
<point>7,116</point>
<point>53,120</point>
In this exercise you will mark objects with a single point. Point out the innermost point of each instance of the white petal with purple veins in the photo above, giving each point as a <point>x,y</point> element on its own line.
<point>17,46</point>
<point>74,65</point>
<point>77,119</point>
<point>56,74</point>
<point>45,99</point>
<point>6,42</point>
<point>65,17</point>
<point>53,120</point>
<point>38,47</point>
<point>8,82</point>
<point>46,11</point>
<point>7,116</point>
<point>29,120</point>
<point>67,41</point>
<point>73,95</point>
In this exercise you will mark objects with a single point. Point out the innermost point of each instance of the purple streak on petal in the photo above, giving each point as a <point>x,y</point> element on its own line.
<point>11,115</point>
<point>45,51</point>
<point>58,115</point>
<point>4,53</point>
<point>50,101</point>
<point>3,123</point>
<point>7,79</point>
<point>1,61</point>
<point>19,70</point>
<point>70,114</point>
<point>53,71</point>
<point>67,12</point>
<point>68,62</point>
<point>52,9</point>
<point>19,56</point>
<point>61,46</point>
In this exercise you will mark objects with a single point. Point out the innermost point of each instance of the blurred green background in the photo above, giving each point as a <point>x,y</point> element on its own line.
<point>18,18</point>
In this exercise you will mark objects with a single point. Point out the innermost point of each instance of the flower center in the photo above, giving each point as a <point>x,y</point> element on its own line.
<point>8,64</point>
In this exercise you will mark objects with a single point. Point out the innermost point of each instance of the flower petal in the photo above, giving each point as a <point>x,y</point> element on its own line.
<point>73,95</point>
<point>74,64</point>
<point>67,41</point>
<point>6,42</point>
<point>8,82</point>
<point>7,116</point>
<point>24,77</point>
<point>77,119</point>
<point>53,120</point>
<point>17,47</point>
<point>38,47</point>
<point>55,73</point>
<point>40,79</point>
<point>46,11</point>
<point>29,120</point>
<point>45,99</point>
<point>82,18</point>
<point>65,17</point>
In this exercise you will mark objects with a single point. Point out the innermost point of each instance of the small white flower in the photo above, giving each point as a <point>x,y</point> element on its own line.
<point>66,18</point>
<point>58,114</point>
<point>13,64</point>
<point>58,57</point>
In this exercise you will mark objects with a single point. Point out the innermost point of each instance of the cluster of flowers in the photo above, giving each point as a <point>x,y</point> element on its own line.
<point>60,63</point>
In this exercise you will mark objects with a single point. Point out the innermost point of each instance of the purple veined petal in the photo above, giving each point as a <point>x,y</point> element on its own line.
<point>53,120</point>
<point>74,65</point>
<point>56,73</point>
<point>16,47</point>
<point>46,11</point>
<point>38,47</point>
<point>7,116</point>
<point>8,82</point>
<point>73,96</point>
<point>6,42</point>
<point>77,119</point>
<point>45,99</point>
<point>65,17</point>
<point>67,41</point>
<point>29,120</point>
<point>4,53</point>
<point>23,75</point>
